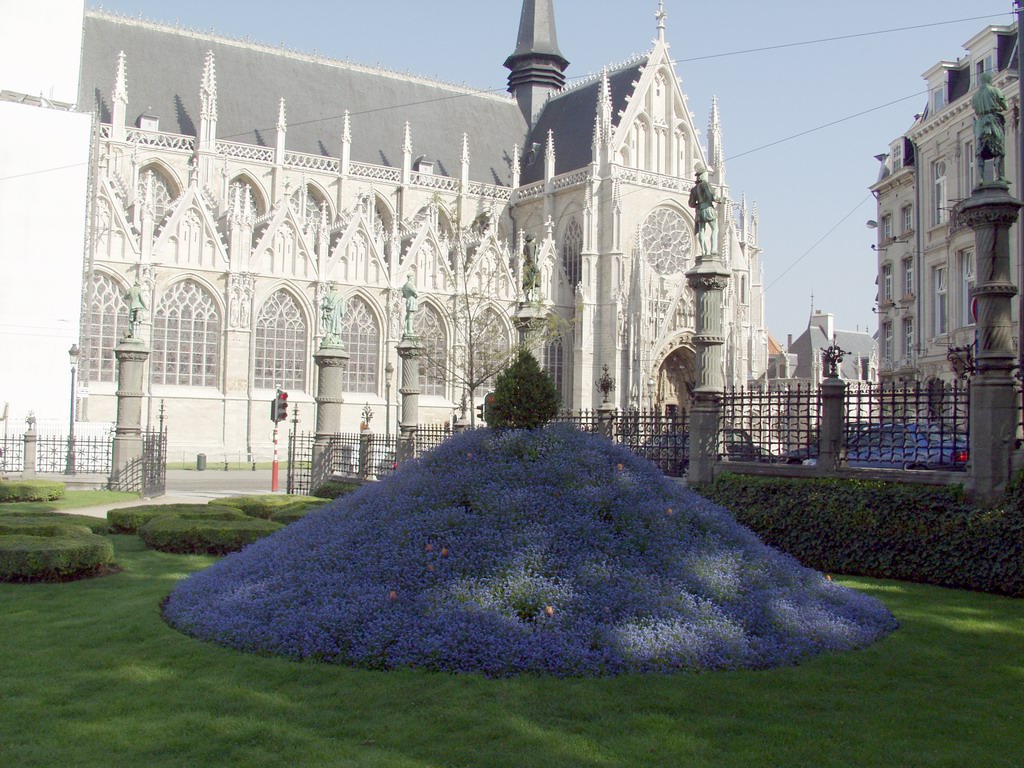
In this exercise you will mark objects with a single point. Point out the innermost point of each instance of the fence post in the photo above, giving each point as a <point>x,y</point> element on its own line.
<point>131,356</point>
<point>31,450</point>
<point>606,420</point>
<point>331,360</point>
<point>830,435</point>
<point>990,212</point>
<point>365,436</point>
<point>410,350</point>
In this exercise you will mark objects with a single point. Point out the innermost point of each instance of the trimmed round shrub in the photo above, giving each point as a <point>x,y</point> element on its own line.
<point>262,506</point>
<point>332,489</point>
<point>540,551</point>
<point>37,550</point>
<point>30,490</point>
<point>130,519</point>
<point>289,513</point>
<point>94,524</point>
<point>214,534</point>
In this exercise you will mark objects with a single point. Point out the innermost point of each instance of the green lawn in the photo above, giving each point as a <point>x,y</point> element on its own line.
<point>91,676</point>
<point>71,500</point>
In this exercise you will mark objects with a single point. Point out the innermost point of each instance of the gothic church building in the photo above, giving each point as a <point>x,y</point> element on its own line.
<point>238,183</point>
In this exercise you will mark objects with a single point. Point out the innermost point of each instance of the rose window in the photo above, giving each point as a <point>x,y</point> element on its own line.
<point>666,241</point>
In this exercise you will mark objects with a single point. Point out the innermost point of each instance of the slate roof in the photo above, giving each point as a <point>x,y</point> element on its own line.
<point>859,345</point>
<point>165,64</point>
<point>571,115</point>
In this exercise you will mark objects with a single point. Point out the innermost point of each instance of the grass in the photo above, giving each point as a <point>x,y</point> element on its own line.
<point>91,676</point>
<point>71,500</point>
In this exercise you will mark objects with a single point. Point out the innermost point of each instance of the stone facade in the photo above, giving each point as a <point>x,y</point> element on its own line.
<point>927,270</point>
<point>236,224</point>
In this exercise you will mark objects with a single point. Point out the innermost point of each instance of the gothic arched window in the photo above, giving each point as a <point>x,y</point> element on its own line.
<point>156,188</point>
<point>434,363</point>
<point>554,362</point>
<point>490,349</point>
<point>572,253</point>
<point>106,323</point>
<point>243,194</point>
<point>361,335</point>
<point>186,337</point>
<point>307,206</point>
<point>666,241</point>
<point>280,359</point>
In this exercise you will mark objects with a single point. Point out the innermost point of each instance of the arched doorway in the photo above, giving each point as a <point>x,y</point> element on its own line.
<point>675,381</point>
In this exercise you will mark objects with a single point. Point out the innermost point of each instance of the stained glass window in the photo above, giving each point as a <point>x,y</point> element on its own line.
<point>280,359</point>
<point>491,348</point>
<point>554,360</point>
<point>186,337</point>
<point>434,363</point>
<point>106,323</point>
<point>361,336</point>
<point>306,205</point>
<point>666,241</point>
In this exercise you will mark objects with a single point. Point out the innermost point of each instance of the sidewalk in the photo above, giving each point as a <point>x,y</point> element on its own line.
<point>192,487</point>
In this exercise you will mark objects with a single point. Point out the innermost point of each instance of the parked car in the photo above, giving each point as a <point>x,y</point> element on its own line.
<point>896,446</point>
<point>740,446</point>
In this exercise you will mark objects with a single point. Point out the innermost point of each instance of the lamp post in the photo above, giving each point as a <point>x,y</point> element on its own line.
<point>389,371</point>
<point>69,467</point>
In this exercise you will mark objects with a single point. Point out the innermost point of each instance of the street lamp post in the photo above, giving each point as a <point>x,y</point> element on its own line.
<point>69,467</point>
<point>389,371</point>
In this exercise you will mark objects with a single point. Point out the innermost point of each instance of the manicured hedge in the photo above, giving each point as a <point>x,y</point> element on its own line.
<point>30,490</point>
<point>211,534</point>
<point>94,524</point>
<point>41,550</point>
<point>130,519</point>
<point>289,513</point>
<point>262,506</point>
<point>910,532</point>
<point>332,490</point>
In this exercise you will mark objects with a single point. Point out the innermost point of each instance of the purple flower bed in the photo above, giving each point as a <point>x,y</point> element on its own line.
<point>550,552</point>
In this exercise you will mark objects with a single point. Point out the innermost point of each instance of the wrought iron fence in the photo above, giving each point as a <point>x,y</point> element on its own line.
<point>12,453</point>
<point>300,463</point>
<point>146,474</point>
<point>585,421</point>
<point>775,425</point>
<point>429,436</point>
<point>79,456</point>
<point>664,440</point>
<point>908,426</point>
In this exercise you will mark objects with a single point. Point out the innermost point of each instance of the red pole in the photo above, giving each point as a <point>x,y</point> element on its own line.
<point>273,472</point>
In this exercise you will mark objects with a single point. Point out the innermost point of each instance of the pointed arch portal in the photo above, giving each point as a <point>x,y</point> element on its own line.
<point>675,380</point>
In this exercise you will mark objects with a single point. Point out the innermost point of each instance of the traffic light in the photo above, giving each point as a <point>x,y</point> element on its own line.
<point>480,412</point>
<point>279,407</point>
<point>486,405</point>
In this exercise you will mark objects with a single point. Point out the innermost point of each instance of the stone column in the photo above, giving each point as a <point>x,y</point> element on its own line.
<point>708,279</point>
<point>990,211</point>
<point>409,350</point>
<point>331,360</point>
<point>31,450</point>
<point>529,322</point>
<point>830,431</point>
<point>606,419</point>
<point>131,356</point>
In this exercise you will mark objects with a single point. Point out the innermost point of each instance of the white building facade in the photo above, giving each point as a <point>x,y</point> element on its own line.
<point>926,257</point>
<point>237,184</point>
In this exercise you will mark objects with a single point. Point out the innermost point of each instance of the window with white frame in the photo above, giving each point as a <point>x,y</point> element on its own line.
<point>434,365</point>
<point>887,350</point>
<point>908,338</point>
<point>897,155</point>
<point>938,100</point>
<point>965,259</point>
<point>985,64</point>
<point>360,334</point>
<point>939,300</point>
<point>939,199</point>
<point>969,165</point>
<point>887,282</point>
<point>907,217</point>
<point>887,226</point>
<point>106,322</point>
<point>907,266</point>
<point>186,337</point>
<point>280,354</point>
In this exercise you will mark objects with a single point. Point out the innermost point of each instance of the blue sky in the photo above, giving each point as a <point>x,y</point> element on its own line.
<point>811,191</point>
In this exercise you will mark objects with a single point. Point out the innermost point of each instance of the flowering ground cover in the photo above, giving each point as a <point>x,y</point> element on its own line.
<point>548,552</point>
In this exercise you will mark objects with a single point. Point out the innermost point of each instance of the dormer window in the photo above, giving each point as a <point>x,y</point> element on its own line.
<point>149,122</point>
<point>938,100</point>
<point>985,64</point>
<point>425,167</point>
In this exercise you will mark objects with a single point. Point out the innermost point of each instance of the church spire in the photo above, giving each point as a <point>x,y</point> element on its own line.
<point>537,65</point>
<point>661,16</point>
<point>716,153</point>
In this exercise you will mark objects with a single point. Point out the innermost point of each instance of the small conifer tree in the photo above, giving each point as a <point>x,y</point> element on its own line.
<point>525,397</point>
